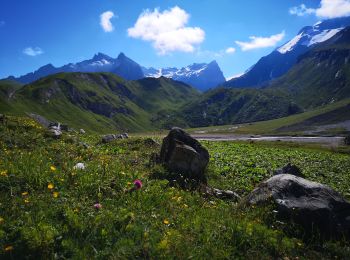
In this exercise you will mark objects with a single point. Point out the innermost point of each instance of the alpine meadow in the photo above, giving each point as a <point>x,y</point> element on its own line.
<point>175,129</point>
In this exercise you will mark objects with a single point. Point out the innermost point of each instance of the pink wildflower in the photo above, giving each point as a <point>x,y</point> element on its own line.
<point>137,184</point>
<point>97,206</point>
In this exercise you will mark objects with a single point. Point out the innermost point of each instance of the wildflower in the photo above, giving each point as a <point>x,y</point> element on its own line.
<point>166,222</point>
<point>122,173</point>
<point>8,248</point>
<point>55,194</point>
<point>97,206</point>
<point>52,168</point>
<point>185,206</point>
<point>137,184</point>
<point>25,193</point>
<point>26,201</point>
<point>1,220</point>
<point>79,166</point>
<point>129,183</point>
<point>3,173</point>
<point>50,186</point>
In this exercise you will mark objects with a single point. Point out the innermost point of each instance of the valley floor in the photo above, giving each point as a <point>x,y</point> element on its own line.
<point>49,208</point>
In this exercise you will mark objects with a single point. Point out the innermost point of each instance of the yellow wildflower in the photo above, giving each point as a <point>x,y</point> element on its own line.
<point>129,183</point>
<point>52,168</point>
<point>166,222</point>
<point>8,248</point>
<point>26,201</point>
<point>55,194</point>
<point>185,206</point>
<point>50,186</point>
<point>25,193</point>
<point>4,173</point>
<point>1,220</point>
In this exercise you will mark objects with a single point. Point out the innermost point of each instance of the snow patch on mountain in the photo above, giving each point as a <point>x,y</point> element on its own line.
<point>324,36</point>
<point>308,37</point>
<point>289,45</point>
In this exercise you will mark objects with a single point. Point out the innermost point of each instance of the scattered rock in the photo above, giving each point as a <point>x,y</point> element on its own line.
<point>221,194</point>
<point>82,131</point>
<point>183,154</point>
<point>289,169</point>
<point>40,119</point>
<point>307,203</point>
<point>110,137</point>
<point>55,133</point>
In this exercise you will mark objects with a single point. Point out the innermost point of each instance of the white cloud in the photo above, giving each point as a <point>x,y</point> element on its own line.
<point>327,9</point>
<point>301,10</point>
<point>230,50</point>
<point>33,51</point>
<point>167,30</point>
<point>333,8</point>
<point>260,42</point>
<point>105,21</point>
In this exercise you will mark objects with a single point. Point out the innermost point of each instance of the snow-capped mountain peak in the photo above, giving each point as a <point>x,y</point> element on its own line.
<point>201,75</point>
<point>319,32</point>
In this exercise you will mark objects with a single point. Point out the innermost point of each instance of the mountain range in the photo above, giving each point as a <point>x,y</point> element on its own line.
<point>98,101</point>
<point>202,76</point>
<point>278,62</point>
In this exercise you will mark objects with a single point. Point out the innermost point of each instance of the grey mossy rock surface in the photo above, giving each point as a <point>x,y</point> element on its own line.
<point>183,154</point>
<point>313,205</point>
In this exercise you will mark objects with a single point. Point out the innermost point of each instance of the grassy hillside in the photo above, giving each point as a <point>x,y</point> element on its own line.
<point>100,102</point>
<point>48,210</point>
<point>226,105</point>
<point>295,124</point>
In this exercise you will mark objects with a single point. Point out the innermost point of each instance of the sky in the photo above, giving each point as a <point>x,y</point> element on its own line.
<point>154,33</point>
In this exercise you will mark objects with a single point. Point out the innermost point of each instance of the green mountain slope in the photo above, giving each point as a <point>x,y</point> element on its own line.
<point>100,101</point>
<point>226,105</point>
<point>332,115</point>
<point>321,76</point>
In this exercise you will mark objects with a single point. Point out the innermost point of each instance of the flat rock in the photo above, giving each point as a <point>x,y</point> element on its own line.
<point>311,204</point>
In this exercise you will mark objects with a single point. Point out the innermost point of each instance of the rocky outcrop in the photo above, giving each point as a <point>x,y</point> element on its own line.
<point>315,206</point>
<point>185,155</point>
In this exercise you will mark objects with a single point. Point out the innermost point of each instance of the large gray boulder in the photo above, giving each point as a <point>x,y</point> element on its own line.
<point>313,205</point>
<point>185,155</point>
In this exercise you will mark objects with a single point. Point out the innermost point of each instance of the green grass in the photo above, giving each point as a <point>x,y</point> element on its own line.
<point>161,220</point>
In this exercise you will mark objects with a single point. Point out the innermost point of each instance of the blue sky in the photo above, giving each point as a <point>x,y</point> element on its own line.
<point>34,33</point>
